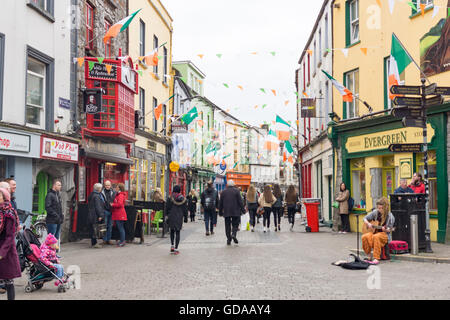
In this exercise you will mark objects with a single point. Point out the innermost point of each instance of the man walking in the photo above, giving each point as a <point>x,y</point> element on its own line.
<point>108,195</point>
<point>231,207</point>
<point>210,203</point>
<point>53,206</point>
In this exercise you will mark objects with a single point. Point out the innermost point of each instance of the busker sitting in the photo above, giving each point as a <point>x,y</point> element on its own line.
<point>380,222</point>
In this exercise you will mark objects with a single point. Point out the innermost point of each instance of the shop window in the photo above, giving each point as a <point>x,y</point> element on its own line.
<point>358,183</point>
<point>432,177</point>
<point>134,179</point>
<point>153,181</point>
<point>388,176</point>
<point>143,181</point>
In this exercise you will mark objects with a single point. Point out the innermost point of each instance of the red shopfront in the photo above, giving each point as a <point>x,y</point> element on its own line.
<point>242,181</point>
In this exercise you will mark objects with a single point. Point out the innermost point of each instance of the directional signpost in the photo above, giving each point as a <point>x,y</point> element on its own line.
<point>414,115</point>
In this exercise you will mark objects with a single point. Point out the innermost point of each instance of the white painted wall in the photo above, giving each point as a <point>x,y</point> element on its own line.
<point>24,26</point>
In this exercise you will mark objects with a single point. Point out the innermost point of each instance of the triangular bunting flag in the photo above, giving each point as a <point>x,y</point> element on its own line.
<point>80,61</point>
<point>364,50</point>
<point>91,65</point>
<point>109,68</point>
<point>100,60</point>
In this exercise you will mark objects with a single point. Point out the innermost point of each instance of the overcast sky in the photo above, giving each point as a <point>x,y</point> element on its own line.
<point>237,29</point>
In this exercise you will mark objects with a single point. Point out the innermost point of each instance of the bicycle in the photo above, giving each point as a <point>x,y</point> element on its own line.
<point>38,227</point>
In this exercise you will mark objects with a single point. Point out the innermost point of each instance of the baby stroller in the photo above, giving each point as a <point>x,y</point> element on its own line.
<point>28,249</point>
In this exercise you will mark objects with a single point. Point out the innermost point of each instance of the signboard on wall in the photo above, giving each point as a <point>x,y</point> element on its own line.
<point>308,108</point>
<point>14,142</point>
<point>81,184</point>
<point>93,101</point>
<point>59,150</point>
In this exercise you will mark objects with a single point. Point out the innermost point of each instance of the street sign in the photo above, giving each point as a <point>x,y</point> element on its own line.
<point>406,148</point>
<point>413,122</point>
<point>406,90</point>
<point>435,101</point>
<point>445,91</point>
<point>431,89</point>
<point>405,101</point>
<point>407,112</point>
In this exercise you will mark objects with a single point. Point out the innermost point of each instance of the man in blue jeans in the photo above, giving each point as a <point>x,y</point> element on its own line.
<point>53,206</point>
<point>108,196</point>
<point>210,205</point>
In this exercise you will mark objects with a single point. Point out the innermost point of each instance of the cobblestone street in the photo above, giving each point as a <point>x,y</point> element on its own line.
<point>286,265</point>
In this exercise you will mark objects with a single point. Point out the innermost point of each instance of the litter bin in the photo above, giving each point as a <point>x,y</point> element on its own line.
<point>402,207</point>
<point>312,215</point>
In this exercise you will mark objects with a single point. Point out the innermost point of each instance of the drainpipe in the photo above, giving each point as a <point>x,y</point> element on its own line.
<point>74,67</point>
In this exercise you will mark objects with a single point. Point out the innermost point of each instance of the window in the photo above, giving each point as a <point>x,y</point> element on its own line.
<point>352,24</point>
<point>304,76</point>
<point>142,105</point>
<point>432,177</point>
<point>320,46</point>
<point>155,47</point>
<point>164,119</point>
<point>351,81</point>
<point>315,55</point>
<point>43,7</point>
<point>428,4</point>
<point>134,171</point>
<point>143,180</point>
<point>326,33</point>
<point>142,39</point>
<point>155,121</point>
<point>358,182</point>
<point>106,119</point>
<point>165,65</point>
<point>89,27</point>
<point>108,44</point>
<point>309,68</point>
<point>36,81</point>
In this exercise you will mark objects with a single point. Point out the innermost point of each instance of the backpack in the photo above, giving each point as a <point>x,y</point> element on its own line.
<point>210,200</point>
<point>351,204</point>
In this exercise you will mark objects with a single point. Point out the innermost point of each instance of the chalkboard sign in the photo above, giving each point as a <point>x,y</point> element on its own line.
<point>99,71</point>
<point>93,101</point>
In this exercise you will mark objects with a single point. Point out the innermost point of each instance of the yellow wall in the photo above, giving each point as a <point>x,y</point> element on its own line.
<point>378,44</point>
<point>158,22</point>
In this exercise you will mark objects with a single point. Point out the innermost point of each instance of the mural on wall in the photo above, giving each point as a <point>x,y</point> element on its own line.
<point>435,48</point>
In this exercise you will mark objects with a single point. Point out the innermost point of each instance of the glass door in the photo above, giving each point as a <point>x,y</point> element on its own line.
<point>388,182</point>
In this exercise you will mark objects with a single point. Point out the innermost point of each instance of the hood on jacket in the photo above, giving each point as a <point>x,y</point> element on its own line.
<point>50,240</point>
<point>178,198</point>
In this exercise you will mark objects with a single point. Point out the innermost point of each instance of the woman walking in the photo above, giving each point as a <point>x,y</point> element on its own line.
<point>342,198</point>
<point>291,203</point>
<point>277,206</point>
<point>266,201</point>
<point>192,204</point>
<point>252,205</point>
<point>176,210</point>
<point>9,260</point>
<point>119,215</point>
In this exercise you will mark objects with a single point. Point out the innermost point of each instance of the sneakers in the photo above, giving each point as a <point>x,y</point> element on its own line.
<point>176,252</point>
<point>264,229</point>
<point>253,229</point>
<point>207,234</point>
<point>121,244</point>
<point>172,249</point>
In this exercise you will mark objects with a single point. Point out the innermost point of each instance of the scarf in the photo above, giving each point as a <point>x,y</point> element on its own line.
<point>7,211</point>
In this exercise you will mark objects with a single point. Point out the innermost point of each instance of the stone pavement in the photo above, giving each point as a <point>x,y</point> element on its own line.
<point>281,266</point>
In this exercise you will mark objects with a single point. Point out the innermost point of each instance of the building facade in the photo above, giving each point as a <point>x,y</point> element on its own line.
<point>151,32</point>
<point>360,142</point>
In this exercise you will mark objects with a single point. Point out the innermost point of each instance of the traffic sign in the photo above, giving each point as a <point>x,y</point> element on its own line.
<point>407,112</point>
<point>413,122</point>
<point>406,148</point>
<point>435,101</point>
<point>406,90</point>
<point>445,91</point>
<point>431,89</point>
<point>405,101</point>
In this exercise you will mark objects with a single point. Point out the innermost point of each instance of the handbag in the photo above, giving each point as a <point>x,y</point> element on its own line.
<point>100,230</point>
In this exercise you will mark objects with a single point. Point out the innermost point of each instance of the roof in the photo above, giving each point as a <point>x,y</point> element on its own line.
<point>190,63</point>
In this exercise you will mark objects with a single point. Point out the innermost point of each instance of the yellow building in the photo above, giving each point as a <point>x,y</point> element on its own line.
<point>362,37</point>
<point>151,32</point>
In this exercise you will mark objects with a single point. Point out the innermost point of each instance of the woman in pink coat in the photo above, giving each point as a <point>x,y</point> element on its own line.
<point>119,215</point>
<point>9,260</point>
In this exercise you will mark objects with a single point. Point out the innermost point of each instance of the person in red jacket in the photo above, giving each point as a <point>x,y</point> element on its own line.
<point>119,215</point>
<point>417,185</point>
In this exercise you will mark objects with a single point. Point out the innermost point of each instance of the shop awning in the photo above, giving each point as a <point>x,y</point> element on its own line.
<point>108,157</point>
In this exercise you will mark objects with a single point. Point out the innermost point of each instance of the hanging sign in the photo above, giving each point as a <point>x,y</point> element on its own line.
<point>174,166</point>
<point>59,150</point>
<point>308,107</point>
<point>93,101</point>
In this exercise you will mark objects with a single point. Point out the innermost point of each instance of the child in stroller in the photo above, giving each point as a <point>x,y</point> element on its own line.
<point>40,262</point>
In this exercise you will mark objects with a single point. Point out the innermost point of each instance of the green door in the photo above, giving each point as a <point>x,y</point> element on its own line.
<point>40,192</point>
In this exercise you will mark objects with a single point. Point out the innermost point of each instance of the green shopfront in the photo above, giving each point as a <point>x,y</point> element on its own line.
<point>362,161</point>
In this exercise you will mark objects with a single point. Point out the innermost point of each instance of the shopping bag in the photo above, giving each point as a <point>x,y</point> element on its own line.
<point>245,219</point>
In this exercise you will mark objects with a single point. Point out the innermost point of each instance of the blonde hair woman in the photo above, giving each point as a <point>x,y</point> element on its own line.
<point>266,201</point>
<point>252,205</point>
<point>377,239</point>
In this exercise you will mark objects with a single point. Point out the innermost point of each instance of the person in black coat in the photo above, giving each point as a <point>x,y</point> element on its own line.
<point>53,206</point>
<point>231,207</point>
<point>210,205</point>
<point>192,204</point>
<point>96,205</point>
<point>176,210</point>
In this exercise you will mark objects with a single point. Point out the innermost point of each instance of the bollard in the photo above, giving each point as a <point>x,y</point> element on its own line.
<point>414,235</point>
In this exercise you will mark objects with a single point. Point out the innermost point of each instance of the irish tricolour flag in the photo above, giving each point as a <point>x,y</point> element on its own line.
<point>272,143</point>
<point>398,62</point>
<point>347,95</point>
<point>119,27</point>
<point>283,129</point>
